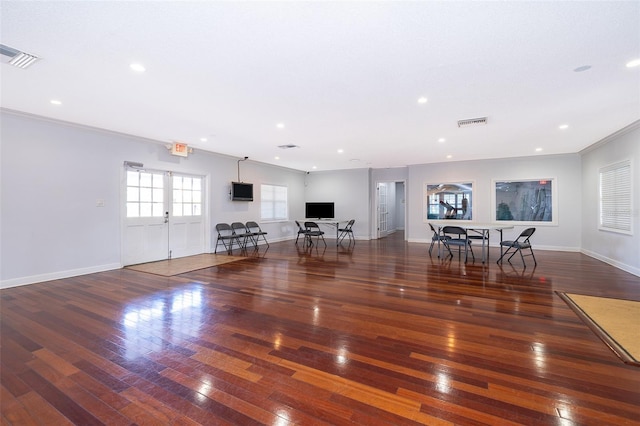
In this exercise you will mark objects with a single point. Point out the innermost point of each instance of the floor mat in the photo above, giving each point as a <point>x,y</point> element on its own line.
<point>182,265</point>
<point>615,322</point>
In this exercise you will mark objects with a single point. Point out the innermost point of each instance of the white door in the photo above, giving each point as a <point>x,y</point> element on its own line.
<point>163,216</point>
<point>146,229</point>
<point>383,210</point>
<point>186,225</point>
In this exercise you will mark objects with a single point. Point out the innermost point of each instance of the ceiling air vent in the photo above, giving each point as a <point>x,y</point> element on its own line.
<point>17,58</point>
<point>469,122</point>
<point>288,146</point>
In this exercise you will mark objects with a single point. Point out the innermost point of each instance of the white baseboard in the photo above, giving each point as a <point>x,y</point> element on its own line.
<point>15,282</point>
<point>557,248</point>
<point>627,268</point>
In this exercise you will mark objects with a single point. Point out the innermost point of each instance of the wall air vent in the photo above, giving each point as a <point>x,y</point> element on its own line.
<point>288,146</point>
<point>16,58</point>
<point>469,122</point>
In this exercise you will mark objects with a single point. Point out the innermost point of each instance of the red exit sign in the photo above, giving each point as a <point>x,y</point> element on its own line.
<point>180,149</point>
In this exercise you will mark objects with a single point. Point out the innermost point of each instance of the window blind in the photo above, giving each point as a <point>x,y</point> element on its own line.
<point>273,202</point>
<point>615,197</point>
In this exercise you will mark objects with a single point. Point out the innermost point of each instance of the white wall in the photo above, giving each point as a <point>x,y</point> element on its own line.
<point>349,190</point>
<point>620,250</point>
<point>565,168</point>
<point>392,174</point>
<point>52,175</point>
<point>258,173</point>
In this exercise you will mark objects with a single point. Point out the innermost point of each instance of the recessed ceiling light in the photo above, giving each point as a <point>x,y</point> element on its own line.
<point>538,149</point>
<point>137,67</point>
<point>422,100</point>
<point>449,156</point>
<point>55,102</point>
<point>314,167</point>
<point>582,68</point>
<point>280,125</point>
<point>276,157</point>
<point>203,139</point>
<point>634,63</point>
<point>563,126</point>
<point>340,151</point>
<point>442,140</point>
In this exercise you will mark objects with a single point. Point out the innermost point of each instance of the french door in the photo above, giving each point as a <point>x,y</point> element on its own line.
<point>383,210</point>
<point>163,216</point>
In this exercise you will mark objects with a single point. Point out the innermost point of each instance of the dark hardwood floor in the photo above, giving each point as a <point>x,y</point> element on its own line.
<point>377,334</point>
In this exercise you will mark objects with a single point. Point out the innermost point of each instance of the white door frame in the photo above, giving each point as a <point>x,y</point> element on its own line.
<point>125,259</point>
<point>375,219</point>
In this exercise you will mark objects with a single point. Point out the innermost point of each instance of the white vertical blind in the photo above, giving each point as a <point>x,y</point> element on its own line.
<point>273,202</point>
<point>615,197</point>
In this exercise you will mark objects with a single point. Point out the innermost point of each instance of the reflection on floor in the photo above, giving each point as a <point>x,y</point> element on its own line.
<point>378,333</point>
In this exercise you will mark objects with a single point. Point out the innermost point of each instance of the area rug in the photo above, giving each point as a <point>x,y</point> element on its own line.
<point>615,321</point>
<point>181,265</point>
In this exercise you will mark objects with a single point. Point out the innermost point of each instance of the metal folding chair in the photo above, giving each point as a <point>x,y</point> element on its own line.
<point>313,230</point>
<point>240,231</point>
<point>256,232</point>
<point>347,231</point>
<point>227,237</point>
<point>519,244</point>
<point>436,238</point>
<point>301,231</point>
<point>457,237</point>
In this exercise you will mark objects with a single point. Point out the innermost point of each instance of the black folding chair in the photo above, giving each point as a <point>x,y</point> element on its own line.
<point>457,237</point>
<point>347,231</point>
<point>227,237</point>
<point>301,231</point>
<point>436,238</point>
<point>256,232</point>
<point>241,232</point>
<point>519,244</point>
<point>313,230</point>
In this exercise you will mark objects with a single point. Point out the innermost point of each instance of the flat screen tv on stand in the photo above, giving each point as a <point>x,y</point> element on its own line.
<point>319,210</point>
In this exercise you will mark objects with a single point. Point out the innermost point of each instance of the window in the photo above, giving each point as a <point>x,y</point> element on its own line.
<point>273,202</point>
<point>529,202</point>
<point>449,200</point>
<point>145,194</point>
<point>615,198</point>
<point>187,196</point>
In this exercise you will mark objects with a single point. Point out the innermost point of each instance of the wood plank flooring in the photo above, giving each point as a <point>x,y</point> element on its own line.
<point>375,334</point>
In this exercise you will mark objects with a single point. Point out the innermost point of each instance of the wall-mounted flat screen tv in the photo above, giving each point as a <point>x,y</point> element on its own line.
<point>241,191</point>
<point>319,210</point>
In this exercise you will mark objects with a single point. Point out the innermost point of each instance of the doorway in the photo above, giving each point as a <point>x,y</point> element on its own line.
<point>163,215</point>
<point>390,207</point>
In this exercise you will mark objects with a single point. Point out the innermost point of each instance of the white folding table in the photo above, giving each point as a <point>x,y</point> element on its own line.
<point>482,228</point>
<point>331,222</point>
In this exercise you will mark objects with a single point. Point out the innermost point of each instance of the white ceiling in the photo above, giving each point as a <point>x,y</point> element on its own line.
<point>338,75</point>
